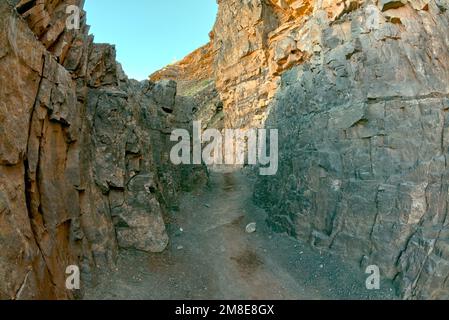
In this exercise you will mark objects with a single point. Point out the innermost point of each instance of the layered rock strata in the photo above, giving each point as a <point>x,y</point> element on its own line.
<point>358,90</point>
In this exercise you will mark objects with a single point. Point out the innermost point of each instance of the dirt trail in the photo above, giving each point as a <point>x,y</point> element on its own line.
<point>212,257</point>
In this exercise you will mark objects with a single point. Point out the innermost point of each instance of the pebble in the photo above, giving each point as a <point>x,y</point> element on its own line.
<point>251,228</point>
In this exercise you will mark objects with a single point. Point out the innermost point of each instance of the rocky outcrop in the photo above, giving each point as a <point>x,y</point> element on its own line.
<point>363,141</point>
<point>255,41</point>
<point>195,78</point>
<point>39,130</point>
<point>196,66</point>
<point>84,153</point>
<point>358,90</point>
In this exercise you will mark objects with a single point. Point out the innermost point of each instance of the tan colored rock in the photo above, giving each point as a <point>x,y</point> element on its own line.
<point>252,54</point>
<point>196,66</point>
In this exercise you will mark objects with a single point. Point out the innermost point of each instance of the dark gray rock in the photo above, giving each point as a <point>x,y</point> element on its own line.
<point>363,132</point>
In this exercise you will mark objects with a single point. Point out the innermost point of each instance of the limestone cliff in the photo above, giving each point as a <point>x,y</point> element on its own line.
<point>84,165</point>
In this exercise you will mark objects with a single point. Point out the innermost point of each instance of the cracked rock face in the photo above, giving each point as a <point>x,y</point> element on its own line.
<point>254,42</point>
<point>84,153</point>
<point>363,127</point>
<point>358,90</point>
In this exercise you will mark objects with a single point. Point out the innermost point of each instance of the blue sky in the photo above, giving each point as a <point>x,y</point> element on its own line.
<point>149,34</point>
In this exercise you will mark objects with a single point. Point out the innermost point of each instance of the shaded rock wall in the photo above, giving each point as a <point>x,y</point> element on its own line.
<point>84,153</point>
<point>363,128</point>
<point>359,92</point>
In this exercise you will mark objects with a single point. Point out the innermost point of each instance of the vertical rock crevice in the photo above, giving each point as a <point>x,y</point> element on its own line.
<point>84,154</point>
<point>359,92</point>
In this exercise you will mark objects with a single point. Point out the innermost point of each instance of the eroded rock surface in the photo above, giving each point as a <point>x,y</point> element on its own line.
<point>358,90</point>
<point>84,153</point>
<point>363,127</point>
<point>195,76</point>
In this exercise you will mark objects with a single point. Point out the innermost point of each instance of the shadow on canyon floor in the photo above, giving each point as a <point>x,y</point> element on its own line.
<point>212,257</point>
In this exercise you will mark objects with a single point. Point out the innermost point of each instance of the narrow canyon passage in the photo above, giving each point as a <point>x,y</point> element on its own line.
<point>211,256</point>
<point>356,93</point>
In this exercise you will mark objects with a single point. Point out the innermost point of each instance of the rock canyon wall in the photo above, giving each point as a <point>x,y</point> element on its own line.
<point>358,90</point>
<point>363,132</point>
<point>84,153</point>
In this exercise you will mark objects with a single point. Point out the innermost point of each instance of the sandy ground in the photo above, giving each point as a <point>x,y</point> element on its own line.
<point>212,257</point>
